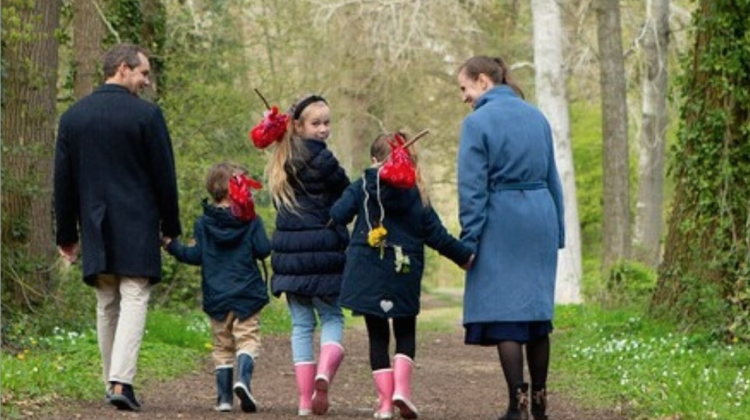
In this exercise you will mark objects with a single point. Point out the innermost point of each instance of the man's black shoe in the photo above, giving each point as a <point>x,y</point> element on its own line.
<point>123,397</point>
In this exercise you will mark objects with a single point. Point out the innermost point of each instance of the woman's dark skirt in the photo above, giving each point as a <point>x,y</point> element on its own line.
<point>492,333</point>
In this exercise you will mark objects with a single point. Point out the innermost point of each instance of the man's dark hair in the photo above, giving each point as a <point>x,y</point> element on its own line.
<point>122,53</point>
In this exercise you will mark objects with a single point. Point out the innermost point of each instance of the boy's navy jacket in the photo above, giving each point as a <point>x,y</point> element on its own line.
<point>227,248</point>
<point>308,254</point>
<point>371,284</point>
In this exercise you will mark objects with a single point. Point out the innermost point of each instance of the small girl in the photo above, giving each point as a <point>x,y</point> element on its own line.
<point>305,179</point>
<point>384,267</point>
<point>227,245</point>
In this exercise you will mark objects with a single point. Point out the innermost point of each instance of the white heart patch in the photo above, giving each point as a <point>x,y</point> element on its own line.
<point>386,305</point>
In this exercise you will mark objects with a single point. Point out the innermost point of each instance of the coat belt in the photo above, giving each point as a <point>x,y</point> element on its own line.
<point>500,186</point>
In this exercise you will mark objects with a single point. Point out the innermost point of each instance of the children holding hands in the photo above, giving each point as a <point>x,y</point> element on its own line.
<point>377,275</point>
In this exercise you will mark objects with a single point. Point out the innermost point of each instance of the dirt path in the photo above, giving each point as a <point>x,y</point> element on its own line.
<point>452,381</point>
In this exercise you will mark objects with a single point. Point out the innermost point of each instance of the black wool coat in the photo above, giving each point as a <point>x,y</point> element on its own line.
<point>371,284</point>
<point>115,181</point>
<point>227,248</point>
<point>309,254</point>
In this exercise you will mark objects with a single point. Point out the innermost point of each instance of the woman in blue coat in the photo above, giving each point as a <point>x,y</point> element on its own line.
<point>511,211</point>
<point>383,275</point>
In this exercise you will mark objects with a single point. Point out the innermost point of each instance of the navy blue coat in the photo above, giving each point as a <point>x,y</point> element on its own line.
<point>115,177</point>
<point>511,210</point>
<point>371,284</point>
<point>308,254</point>
<point>227,248</point>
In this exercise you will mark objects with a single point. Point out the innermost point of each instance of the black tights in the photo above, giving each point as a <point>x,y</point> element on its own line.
<point>537,357</point>
<point>379,333</point>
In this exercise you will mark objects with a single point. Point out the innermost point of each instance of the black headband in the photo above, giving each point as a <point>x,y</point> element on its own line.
<point>305,103</point>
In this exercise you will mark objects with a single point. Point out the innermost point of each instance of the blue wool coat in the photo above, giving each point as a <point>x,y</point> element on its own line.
<point>115,180</point>
<point>227,248</point>
<point>308,253</point>
<point>371,284</point>
<point>511,210</point>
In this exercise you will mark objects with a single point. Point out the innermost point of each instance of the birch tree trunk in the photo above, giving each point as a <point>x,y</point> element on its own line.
<point>552,98</point>
<point>616,211</point>
<point>648,220</point>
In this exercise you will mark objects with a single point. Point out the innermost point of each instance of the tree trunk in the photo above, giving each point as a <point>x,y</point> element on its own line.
<point>704,275</point>
<point>153,35</point>
<point>88,34</point>
<point>616,211</point>
<point>552,99</point>
<point>648,220</point>
<point>28,133</point>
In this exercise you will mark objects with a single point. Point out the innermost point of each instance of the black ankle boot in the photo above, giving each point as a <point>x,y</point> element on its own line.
<point>539,404</point>
<point>518,408</point>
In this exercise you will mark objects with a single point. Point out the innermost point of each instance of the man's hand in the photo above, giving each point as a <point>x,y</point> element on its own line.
<point>69,252</point>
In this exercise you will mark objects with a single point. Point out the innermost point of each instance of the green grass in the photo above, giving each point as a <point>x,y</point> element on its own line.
<point>620,358</point>
<point>66,364</point>
<point>275,317</point>
<point>601,358</point>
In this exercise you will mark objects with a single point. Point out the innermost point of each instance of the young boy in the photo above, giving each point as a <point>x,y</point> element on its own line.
<point>229,238</point>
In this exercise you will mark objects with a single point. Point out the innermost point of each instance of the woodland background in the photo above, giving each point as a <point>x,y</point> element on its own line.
<point>651,111</point>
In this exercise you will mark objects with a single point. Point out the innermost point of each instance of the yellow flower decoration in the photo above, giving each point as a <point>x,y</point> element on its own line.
<point>376,237</point>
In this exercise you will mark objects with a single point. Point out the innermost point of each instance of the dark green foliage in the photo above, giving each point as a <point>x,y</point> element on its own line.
<point>706,272</point>
<point>209,111</point>
<point>630,284</point>
<point>70,306</point>
<point>126,20</point>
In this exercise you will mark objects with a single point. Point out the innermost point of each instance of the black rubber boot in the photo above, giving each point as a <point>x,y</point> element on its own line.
<point>224,396</point>
<point>245,365</point>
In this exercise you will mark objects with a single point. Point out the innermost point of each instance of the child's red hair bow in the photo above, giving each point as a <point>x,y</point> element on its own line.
<point>243,206</point>
<point>398,170</point>
<point>270,129</point>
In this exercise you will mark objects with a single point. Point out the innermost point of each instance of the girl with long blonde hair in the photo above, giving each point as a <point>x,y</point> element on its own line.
<point>305,179</point>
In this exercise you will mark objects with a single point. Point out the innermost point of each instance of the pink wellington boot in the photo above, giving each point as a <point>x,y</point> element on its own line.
<point>305,374</point>
<point>384,384</point>
<point>403,367</point>
<point>331,355</point>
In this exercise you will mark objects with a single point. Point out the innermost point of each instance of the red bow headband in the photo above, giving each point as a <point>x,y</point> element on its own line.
<point>271,128</point>
<point>241,195</point>
<point>399,170</point>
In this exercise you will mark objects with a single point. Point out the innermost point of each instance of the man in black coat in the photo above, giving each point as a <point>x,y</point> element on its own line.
<point>115,182</point>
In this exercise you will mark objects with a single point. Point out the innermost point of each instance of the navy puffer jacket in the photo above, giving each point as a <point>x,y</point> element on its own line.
<point>309,255</point>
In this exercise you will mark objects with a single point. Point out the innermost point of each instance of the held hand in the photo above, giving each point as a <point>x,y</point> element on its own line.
<point>69,252</point>
<point>165,241</point>
<point>467,265</point>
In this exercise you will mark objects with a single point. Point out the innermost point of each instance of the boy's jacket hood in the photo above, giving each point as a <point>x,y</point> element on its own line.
<point>222,225</point>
